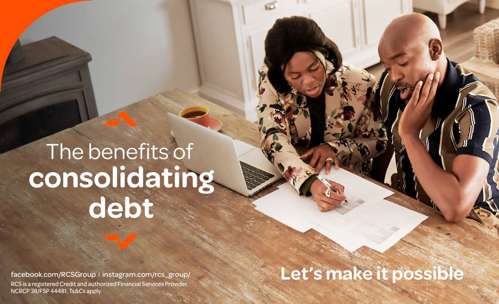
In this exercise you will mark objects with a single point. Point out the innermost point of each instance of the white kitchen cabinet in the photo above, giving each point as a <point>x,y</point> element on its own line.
<point>339,22</point>
<point>230,36</point>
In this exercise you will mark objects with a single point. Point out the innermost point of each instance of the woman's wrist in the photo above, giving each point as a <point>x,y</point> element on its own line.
<point>307,185</point>
<point>332,146</point>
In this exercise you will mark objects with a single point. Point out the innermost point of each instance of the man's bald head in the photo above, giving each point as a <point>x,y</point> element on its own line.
<point>411,48</point>
<point>406,32</point>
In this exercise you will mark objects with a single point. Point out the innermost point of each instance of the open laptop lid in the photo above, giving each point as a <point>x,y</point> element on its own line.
<point>211,151</point>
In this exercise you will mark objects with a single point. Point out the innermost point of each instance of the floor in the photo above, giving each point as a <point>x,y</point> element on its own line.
<point>457,38</point>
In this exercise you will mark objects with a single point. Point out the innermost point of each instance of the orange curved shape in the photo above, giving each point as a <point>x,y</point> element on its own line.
<point>16,16</point>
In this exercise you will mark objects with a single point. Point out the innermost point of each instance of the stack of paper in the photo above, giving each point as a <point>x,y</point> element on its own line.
<point>365,219</point>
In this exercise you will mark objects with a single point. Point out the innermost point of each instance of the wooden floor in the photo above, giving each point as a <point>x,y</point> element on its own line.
<point>458,36</point>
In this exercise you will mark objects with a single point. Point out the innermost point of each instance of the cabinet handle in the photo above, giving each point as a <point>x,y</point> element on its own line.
<point>271,6</point>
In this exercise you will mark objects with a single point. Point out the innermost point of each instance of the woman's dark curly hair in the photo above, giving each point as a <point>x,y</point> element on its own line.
<point>290,35</point>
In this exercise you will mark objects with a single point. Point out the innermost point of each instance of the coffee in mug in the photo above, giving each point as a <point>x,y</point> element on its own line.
<point>197,114</point>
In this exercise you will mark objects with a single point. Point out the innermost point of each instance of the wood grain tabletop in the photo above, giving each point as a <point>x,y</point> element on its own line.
<point>232,253</point>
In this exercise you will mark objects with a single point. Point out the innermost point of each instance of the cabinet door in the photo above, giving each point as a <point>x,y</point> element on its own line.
<point>255,35</point>
<point>337,18</point>
<point>42,116</point>
<point>256,52</point>
<point>377,14</point>
<point>256,13</point>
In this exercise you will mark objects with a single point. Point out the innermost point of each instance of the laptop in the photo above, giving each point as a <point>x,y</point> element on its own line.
<point>237,165</point>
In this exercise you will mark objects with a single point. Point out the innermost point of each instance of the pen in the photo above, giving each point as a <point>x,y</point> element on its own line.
<point>329,187</point>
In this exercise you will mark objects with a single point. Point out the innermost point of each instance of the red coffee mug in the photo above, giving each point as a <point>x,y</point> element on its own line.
<point>197,114</point>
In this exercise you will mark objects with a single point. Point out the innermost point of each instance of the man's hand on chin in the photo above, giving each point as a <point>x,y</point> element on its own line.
<point>418,109</point>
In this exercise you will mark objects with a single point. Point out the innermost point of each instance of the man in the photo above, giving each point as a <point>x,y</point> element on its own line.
<point>441,121</point>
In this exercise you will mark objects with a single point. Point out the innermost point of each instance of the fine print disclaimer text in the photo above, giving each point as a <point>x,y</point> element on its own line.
<point>436,273</point>
<point>92,283</point>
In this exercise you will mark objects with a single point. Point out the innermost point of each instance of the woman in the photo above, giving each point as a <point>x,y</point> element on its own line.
<point>308,99</point>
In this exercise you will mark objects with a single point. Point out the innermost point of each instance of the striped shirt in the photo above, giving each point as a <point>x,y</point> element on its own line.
<point>464,120</point>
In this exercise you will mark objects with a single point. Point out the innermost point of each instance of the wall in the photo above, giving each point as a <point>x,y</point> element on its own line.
<point>493,4</point>
<point>139,47</point>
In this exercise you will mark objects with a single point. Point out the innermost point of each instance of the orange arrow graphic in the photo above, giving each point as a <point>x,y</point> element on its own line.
<point>122,244</point>
<point>114,122</point>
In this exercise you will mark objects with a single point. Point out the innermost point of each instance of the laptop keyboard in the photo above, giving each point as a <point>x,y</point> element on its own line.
<point>254,176</point>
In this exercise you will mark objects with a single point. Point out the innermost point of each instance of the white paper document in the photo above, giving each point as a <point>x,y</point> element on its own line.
<point>365,219</point>
<point>302,214</point>
<point>356,185</point>
<point>284,207</point>
<point>384,223</point>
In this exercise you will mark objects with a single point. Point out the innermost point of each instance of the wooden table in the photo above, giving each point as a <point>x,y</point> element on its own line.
<point>233,252</point>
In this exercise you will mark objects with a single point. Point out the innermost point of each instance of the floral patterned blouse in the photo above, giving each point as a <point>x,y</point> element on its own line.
<point>353,129</point>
